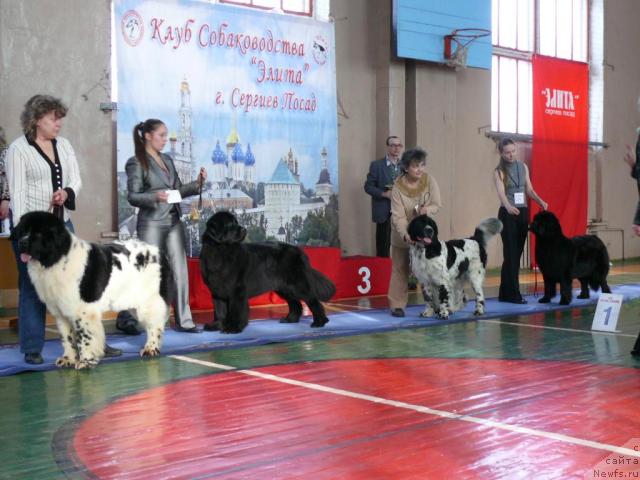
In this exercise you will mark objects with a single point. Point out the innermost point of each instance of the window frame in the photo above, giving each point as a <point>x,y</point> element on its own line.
<point>250,4</point>
<point>519,55</point>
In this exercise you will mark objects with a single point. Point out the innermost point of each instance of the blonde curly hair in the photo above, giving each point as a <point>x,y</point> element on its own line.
<point>36,108</point>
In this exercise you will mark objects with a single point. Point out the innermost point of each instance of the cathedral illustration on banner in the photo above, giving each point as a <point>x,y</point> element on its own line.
<point>232,181</point>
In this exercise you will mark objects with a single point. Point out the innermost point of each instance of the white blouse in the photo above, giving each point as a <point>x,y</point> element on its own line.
<point>30,176</point>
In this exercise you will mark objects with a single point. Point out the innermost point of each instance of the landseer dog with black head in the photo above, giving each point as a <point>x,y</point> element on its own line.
<point>561,259</point>
<point>443,267</point>
<point>235,271</point>
<point>78,281</point>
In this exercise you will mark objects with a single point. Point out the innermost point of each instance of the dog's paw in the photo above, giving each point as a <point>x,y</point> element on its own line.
<point>565,301</point>
<point>86,363</point>
<point>544,299</point>
<point>428,312</point>
<point>148,352</point>
<point>443,314</point>
<point>231,330</point>
<point>319,322</point>
<point>478,311</point>
<point>65,362</point>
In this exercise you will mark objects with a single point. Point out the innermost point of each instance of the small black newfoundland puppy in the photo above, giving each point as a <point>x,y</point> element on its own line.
<point>561,259</point>
<point>78,281</point>
<point>236,271</point>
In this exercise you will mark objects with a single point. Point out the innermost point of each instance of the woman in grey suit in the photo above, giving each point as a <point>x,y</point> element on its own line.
<point>151,174</point>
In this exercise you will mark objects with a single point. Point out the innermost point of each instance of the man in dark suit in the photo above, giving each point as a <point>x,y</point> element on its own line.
<point>382,174</point>
<point>634,162</point>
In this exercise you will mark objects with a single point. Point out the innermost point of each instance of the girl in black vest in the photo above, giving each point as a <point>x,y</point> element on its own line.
<point>513,185</point>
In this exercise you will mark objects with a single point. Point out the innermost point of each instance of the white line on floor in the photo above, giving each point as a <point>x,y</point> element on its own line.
<point>419,408</point>
<point>619,334</point>
<point>52,330</point>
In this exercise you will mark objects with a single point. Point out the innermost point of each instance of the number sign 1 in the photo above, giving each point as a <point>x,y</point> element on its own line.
<point>606,317</point>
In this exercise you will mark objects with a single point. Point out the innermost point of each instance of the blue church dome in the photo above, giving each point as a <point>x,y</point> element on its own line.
<point>236,154</point>
<point>218,156</point>
<point>249,159</point>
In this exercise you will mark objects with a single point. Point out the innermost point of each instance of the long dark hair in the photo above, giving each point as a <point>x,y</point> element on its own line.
<point>139,131</point>
<point>501,165</point>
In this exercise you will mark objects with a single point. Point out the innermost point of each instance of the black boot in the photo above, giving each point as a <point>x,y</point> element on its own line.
<point>110,351</point>
<point>127,323</point>
<point>33,358</point>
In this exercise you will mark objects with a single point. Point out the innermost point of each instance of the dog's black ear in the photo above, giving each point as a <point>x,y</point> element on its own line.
<point>209,235</point>
<point>552,224</point>
<point>415,228</point>
<point>21,228</point>
<point>53,244</point>
<point>432,223</point>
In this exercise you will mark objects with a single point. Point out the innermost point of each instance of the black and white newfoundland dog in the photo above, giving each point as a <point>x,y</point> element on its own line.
<point>561,259</point>
<point>443,267</point>
<point>78,281</point>
<point>235,271</point>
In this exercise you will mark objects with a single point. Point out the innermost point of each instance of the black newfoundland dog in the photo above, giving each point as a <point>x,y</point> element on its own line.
<point>443,267</point>
<point>235,271</point>
<point>561,259</point>
<point>79,281</point>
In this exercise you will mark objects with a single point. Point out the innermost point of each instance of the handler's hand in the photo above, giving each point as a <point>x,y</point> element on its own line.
<point>630,158</point>
<point>59,197</point>
<point>202,176</point>
<point>162,196</point>
<point>636,230</point>
<point>4,209</point>
<point>512,210</point>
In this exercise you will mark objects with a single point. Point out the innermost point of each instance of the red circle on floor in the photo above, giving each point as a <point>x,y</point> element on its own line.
<point>233,425</point>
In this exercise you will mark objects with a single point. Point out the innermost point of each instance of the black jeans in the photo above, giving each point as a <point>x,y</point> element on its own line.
<point>514,235</point>
<point>383,238</point>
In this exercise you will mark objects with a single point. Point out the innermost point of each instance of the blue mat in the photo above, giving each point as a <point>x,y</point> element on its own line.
<point>270,331</point>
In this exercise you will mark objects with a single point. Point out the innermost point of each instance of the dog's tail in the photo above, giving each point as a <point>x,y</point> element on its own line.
<point>323,288</point>
<point>601,268</point>
<point>486,230</point>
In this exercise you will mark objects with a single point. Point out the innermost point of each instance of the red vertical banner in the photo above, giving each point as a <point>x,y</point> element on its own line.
<point>560,141</point>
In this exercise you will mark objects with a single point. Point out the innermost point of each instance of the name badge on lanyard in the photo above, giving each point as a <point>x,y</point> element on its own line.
<point>518,198</point>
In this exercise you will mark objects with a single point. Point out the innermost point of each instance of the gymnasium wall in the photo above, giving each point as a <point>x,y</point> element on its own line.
<point>64,48</point>
<point>419,27</point>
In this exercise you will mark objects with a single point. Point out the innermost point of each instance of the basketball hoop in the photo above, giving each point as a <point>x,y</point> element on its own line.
<point>456,45</point>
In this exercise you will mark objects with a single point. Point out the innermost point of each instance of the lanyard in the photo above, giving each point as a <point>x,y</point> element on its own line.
<point>517,184</point>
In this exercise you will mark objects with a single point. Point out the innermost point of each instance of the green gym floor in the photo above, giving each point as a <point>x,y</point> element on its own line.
<point>520,397</point>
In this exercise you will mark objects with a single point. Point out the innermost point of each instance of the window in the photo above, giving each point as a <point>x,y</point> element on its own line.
<point>295,7</point>
<point>319,9</point>
<point>520,28</point>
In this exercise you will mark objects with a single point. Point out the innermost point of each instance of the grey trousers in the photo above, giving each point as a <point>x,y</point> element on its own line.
<point>171,241</point>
